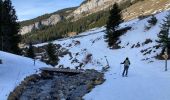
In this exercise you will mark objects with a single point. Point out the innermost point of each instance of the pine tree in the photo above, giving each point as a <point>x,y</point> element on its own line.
<point>1,23</point>
<point>9,28</point>
<point>112,25</point>
<point>53,59</point>
<point>30,52</point>
<point>164,39</point>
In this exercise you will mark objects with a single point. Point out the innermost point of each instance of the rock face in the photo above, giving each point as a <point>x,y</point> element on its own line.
<point>54,19</point>
<point>58,86</point>
<point>92,6</point>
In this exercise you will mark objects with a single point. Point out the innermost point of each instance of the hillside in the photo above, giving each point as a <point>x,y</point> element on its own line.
<point>13,70</point>
<point>146,80</point>
<point>77,21</point>
<point>44,20</point>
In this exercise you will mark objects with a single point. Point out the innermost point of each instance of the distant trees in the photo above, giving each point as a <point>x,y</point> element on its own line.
<point>164,39</point>
<point>30,51</point>
<point>9,28</point>
<point>52,57</point>
<point>112,32</point>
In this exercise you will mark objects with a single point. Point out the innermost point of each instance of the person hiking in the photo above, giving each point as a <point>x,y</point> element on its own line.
<point>126,67</point>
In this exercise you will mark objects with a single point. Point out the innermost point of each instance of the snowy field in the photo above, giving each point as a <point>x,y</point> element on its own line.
<point>13,70</point>
<point>146,80</point>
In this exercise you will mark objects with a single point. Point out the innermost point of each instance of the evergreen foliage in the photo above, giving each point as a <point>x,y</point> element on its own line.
<point>30,52</point>
<point>112,32</point>
<point>1,12</point>
<point>51,51</point>
<point>164,39</point>
<point>9,37</point>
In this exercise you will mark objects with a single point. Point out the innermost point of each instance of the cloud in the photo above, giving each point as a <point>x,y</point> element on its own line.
<point>28,9</point>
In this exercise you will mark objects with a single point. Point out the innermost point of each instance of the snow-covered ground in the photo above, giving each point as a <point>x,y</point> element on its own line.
<point>146,80</point>
<point>13,70</point>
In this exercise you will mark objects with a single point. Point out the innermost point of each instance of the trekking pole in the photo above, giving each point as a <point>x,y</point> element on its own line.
<point>108,66</point>
<point>120,70</point>
<point>107,61</point>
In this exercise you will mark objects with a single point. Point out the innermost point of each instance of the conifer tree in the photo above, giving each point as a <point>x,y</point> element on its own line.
<point>112,24</point>
<point>9,28</point>
<point>51,51</point>
<point>164,39</point>
<point>1,23</point>
<point>30,52</point>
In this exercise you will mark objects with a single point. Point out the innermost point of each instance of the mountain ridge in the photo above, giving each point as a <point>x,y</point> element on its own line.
<point>86,8</point>
<point>135,8</point>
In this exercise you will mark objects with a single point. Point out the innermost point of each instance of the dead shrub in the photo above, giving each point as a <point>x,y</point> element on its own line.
<point>147,41</point>
<point>137,45</point>
<point>88,58</point>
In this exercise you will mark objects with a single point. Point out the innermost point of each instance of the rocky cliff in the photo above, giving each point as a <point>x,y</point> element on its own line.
<point>92,6</point>
<point>54,19</point>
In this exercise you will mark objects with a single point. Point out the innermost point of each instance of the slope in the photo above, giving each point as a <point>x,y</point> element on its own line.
<point>13,70</point>
<point>147,79</point>
<point>91,14</point>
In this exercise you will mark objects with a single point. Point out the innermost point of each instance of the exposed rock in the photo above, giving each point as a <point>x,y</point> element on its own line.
<point>60,87</point>
<point>134,8</point>
<point>92,6</point>
<point>54,19</point>
<point>70,34</point>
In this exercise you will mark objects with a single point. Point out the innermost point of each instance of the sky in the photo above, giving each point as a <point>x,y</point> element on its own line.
<point>28,9</point>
